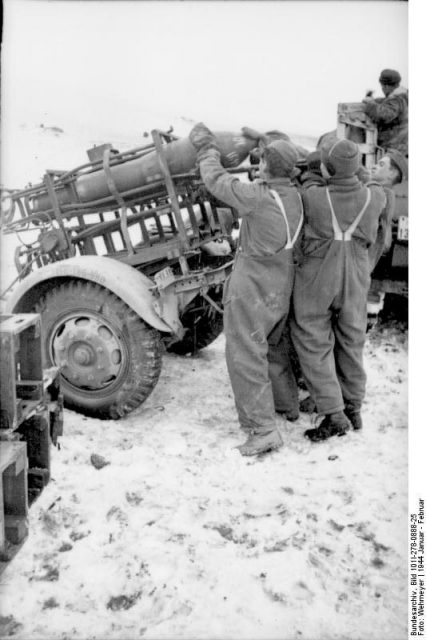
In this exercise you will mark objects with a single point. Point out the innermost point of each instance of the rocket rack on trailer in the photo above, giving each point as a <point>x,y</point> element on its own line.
<point>109,207</point>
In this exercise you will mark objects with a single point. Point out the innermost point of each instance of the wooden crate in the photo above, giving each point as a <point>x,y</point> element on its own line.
<point>354,124</point>
<point>13,495</point>
<point>21,388</point>
<point>31,418</point>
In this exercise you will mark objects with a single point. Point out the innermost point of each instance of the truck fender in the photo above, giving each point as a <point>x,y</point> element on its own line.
<point>133,287</point>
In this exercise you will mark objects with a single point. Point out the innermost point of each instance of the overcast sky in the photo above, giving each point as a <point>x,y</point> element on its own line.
<point>126,67</point>
<point>131,66</point>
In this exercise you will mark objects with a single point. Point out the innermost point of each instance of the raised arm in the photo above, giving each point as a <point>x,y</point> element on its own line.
<point>385,111</point>
<point>223,185</point>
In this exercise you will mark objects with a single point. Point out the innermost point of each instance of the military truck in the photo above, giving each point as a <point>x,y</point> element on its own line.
<point>124,256</point>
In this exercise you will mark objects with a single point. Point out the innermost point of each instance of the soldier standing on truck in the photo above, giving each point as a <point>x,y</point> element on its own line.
<point>390,113</point>
<point>257,294</point>
<point>330,290</point>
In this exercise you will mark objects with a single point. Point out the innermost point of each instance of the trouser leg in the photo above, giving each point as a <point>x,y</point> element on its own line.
<point>281,374</point>
<point>246,358</point>
<point>350,333</point>
<point>313,338</point>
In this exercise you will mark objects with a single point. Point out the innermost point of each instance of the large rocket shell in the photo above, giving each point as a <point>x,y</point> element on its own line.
<point>180,156</point>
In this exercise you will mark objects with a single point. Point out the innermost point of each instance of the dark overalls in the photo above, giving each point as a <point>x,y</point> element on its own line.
<point>330,291</point>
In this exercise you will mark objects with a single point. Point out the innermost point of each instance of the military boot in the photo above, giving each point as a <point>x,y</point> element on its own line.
<point>261,443</point>
<point>291,416</point>
<point>334,424</point>
<point>354,415</point>
<point>307,405</point>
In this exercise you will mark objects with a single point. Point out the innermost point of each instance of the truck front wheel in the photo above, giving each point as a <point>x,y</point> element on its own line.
<point>108,356</point>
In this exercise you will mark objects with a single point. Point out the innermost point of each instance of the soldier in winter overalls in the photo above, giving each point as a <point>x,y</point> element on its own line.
<point>331,286</point>
<point>257,295</point>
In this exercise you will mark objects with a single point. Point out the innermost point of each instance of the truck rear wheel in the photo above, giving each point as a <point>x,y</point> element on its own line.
<point>203,324</point>
<point>109,357</point>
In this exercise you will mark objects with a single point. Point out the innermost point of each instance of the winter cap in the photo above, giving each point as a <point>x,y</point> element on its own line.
<point>281,156</point>
<point>389,76</point>
<point>263,139</point>
<point>400,161</point>
<point>313,161</point>
<point>343,156</point>
<point>275,134</point>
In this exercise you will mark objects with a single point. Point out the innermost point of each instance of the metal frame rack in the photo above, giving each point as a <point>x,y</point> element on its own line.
<point>172,216</point>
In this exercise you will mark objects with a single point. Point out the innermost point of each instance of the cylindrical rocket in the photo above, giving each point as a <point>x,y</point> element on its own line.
<point>180,156</point>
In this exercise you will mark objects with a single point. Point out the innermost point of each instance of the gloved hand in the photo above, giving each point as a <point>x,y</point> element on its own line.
<point>259,139</point>
<point>254,135</point>
<point>202,138</point>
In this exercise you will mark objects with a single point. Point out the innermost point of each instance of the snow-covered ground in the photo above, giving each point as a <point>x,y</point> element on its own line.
<point>178,536</point>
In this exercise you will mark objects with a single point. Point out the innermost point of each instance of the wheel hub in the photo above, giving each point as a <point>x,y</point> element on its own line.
<point>83,355</point>
<point>88,351</point>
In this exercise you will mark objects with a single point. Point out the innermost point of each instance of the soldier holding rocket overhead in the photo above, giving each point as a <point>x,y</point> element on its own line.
<point>257,295</point>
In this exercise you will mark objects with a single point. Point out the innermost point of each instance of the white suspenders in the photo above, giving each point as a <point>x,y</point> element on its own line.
<point>346,236</point>
<point>290,240</point>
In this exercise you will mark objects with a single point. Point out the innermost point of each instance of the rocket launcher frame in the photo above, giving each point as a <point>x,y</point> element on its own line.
<point>146,206</point>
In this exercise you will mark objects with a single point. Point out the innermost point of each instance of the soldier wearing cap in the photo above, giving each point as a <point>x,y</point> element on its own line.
<point>257,294</point>
<point>390,170</point>
<point>390,113</point>
<point>330,291</point>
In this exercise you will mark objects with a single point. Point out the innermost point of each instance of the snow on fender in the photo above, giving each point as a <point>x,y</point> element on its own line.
<point>133,287</point>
